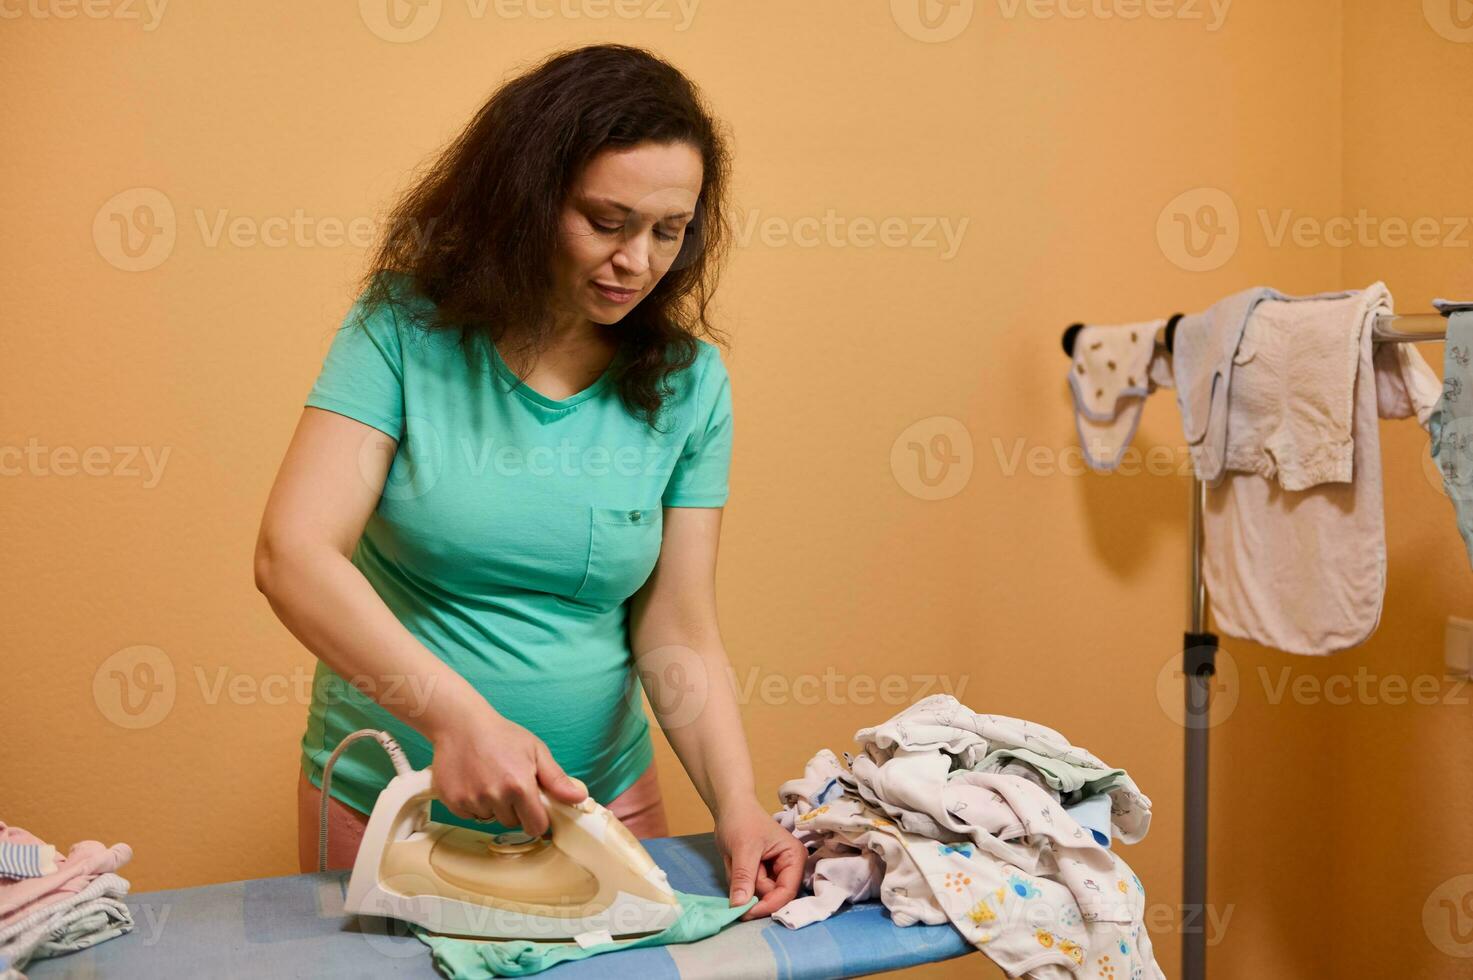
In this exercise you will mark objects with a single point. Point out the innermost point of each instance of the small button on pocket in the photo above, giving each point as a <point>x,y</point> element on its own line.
<point>623,546</point>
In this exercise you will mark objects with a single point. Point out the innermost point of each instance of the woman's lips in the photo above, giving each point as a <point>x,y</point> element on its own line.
<point>615,295</point>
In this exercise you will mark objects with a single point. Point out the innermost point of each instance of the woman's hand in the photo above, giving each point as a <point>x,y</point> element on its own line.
<point>759,854</point>
<point>489,768</point>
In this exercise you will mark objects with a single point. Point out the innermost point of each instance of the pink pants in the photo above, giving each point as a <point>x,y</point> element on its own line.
<point>640,808</point>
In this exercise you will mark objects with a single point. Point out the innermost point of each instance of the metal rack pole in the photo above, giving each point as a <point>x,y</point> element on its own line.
<point>1415,328</point>
<point>1199,663</point>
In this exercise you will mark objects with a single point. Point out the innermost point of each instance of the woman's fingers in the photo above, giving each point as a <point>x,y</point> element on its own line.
<point>531,815</point>
<point>783,881</point>
<point>559,785</point>
<point>493,769</point>
<point>742,874</point>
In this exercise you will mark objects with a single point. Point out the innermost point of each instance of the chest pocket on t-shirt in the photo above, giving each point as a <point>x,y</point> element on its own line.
<point>623,546</point>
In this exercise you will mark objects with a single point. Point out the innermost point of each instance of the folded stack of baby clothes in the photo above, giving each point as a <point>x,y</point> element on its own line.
<point>996,825</point>
<point>52,904</point>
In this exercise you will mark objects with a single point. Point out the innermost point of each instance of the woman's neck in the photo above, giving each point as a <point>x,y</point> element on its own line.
<point>573,356</point>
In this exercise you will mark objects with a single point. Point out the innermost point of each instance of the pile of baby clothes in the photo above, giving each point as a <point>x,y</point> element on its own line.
<point>52,904</point>
<point>996,825</point>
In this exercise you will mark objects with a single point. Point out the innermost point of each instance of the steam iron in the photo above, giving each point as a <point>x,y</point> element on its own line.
<point>590,882</point>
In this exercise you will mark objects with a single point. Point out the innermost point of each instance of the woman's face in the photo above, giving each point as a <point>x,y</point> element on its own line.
<point>622,227</point>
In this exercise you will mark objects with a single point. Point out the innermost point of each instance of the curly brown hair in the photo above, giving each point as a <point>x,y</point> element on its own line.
<point>476,234</point>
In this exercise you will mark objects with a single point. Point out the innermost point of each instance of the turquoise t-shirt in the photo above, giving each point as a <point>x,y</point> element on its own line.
<point>511,530</point>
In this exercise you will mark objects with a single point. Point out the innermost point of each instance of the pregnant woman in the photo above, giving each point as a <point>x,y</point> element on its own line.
<point>497,520</point>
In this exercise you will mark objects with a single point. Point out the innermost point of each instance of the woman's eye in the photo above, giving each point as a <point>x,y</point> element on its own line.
<point>661,235</point>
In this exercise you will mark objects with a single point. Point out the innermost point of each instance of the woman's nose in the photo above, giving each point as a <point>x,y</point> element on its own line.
<point>633,254</point>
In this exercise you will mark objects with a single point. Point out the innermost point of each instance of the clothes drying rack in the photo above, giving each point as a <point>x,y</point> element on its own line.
<point>1199,662</point>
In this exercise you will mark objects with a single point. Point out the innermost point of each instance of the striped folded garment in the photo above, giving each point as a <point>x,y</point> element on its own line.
<point>26,860</point>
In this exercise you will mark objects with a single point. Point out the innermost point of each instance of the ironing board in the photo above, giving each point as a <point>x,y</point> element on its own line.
<point>294,926</point>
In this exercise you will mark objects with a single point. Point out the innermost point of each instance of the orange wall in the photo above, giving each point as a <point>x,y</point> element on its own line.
<point>1054,147</point>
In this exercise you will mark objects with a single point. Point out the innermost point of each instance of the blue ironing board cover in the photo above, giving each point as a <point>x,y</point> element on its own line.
<point>295,926</point>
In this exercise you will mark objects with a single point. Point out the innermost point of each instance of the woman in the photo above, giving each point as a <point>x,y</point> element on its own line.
<point>502,502</point>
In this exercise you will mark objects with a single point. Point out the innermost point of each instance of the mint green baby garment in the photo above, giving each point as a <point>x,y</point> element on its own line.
<point>1074,783</point>
<point>467,959</point>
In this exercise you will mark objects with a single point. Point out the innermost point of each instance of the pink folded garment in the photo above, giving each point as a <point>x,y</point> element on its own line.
<point>85,861</point>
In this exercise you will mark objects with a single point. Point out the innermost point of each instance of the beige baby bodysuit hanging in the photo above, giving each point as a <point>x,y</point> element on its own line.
<point>1304,570</point>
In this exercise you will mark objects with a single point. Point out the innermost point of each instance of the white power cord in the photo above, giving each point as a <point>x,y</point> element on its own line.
<point>396,756</point>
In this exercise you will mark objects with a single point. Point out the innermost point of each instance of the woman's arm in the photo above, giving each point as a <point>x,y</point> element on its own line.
<point>682,662</point>
<point>329,483</point>
<point>687,676</point>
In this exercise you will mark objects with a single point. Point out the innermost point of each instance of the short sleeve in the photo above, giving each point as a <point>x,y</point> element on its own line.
<point>362,376</point>
<point>699,478</point>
